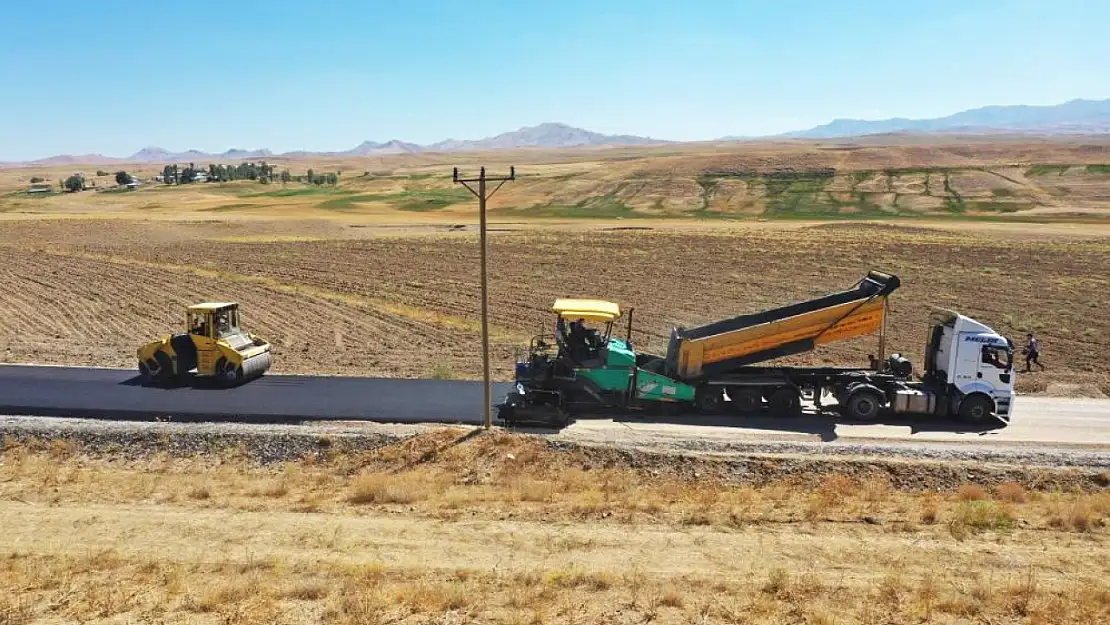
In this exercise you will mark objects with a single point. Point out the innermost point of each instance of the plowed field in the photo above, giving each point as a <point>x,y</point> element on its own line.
<point>365,301</point>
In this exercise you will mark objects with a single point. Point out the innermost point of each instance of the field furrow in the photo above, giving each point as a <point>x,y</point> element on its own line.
<point>408,305</point>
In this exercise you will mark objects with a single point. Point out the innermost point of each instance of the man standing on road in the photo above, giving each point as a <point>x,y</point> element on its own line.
<point>1032,353</point>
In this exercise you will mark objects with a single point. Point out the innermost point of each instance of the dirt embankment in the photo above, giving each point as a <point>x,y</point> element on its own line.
<point>370,443</point>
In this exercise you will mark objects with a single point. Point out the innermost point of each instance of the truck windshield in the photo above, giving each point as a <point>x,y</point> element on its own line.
<point>997,356</point>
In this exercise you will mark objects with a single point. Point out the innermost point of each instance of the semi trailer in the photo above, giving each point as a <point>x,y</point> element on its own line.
<point>724,366</point>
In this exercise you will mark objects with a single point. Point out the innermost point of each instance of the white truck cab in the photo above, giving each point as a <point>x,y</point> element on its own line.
<point>968,367</point>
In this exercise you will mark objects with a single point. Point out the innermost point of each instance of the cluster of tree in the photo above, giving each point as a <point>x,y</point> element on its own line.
<point>261,172</point>
<point>315,178</point>
<point>218,173</point>
<point>243,171</point>
<point>36,179</point>
<point>76,182</point>
<point>123,178</point>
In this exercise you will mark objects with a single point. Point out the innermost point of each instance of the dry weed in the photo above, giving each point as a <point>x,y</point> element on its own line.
<point>927,593</point>
<point>220,594</point>
<point>274,488</point>
<point>671,598</point>
<point>838,487</point>
<point>877,489</point>
<point>433,597</point>
<point>383,489</point>
<point>778,583</point>
<point>977,516</point>
<point>1010,492</point>
<point>972,492</point>
<point>528,489</point>
<point>62,448</point>
<point>15,610</point>
<point>305,590</point>
<point>929,510</point>
<point>574,578</point>
<point>1078,516</point>
<point>199,492</point>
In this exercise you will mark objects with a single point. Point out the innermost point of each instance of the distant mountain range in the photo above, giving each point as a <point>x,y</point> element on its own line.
<point>1074,117</point>
<point>549,135</point>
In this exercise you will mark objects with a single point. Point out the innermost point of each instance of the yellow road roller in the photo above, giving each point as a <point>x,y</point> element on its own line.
<point>212,346</point>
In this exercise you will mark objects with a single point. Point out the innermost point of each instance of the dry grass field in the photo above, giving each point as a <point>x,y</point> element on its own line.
<point>1016,178</point>
<point>448,527</point>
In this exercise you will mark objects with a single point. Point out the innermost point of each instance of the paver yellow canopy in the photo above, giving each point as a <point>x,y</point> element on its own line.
<point>212,345</point>
<point>594,310</point>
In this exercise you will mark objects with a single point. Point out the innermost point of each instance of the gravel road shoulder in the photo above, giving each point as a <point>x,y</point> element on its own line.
<point>909,466</point>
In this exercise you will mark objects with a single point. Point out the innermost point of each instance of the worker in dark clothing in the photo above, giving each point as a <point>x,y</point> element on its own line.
<point>577,340</point>
<point>1032,353</point>
<point>577,331</point>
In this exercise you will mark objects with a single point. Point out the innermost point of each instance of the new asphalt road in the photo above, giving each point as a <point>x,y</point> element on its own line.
<point>117,394</point>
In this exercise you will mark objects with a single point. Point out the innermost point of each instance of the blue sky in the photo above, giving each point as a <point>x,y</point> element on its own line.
<point>112,77</point>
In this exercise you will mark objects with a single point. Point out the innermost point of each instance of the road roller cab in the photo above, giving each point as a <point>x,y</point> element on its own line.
<point>212,346</point>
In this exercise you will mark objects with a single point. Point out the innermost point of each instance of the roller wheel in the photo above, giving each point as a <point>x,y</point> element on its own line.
<point>863,406</point>
<point>785,402</point>
<point>230,374</point>
<point>709,399</point>
<point>745,400</point>
<point>146,370</point>
<point>157,370</point>
<point>976,409</point>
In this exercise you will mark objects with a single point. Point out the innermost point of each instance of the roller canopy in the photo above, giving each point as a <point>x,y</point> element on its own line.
<point>210,306</point>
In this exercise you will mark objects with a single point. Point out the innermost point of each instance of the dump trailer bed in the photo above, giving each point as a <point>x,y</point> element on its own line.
<point>725,346</point>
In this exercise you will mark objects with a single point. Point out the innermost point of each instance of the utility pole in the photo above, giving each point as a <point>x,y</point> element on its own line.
<point>482,197</point>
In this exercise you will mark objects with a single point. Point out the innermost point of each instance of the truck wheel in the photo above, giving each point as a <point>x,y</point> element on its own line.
<point>507,415</point>
<point>785,402</point>
<point>976,409</point>
<point>863,406</point>
<point>709,399</point>
<point>745,400</point>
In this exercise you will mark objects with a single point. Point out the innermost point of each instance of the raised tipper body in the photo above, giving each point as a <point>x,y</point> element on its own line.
<point>748,339</point>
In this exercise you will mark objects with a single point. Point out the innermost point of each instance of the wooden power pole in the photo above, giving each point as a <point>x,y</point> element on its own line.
<point>482,196</point>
